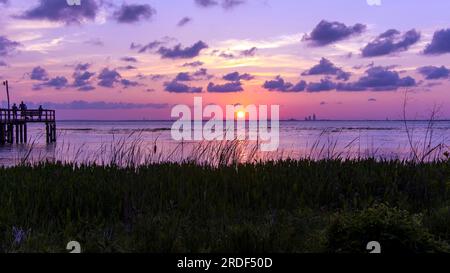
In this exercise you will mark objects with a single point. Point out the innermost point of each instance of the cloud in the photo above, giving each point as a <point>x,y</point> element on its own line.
<point>240,54</point>
<point>2,63</point>
<point>133,13</point>
<point>82,66</point>
<point>372,100</point>
<point>206,3</point>
<point>148,47</point>
<point>378,79</point>
<point>225,88</point>
<point>156,77</point>
<point>60,11</point>
<point>201,74</point>
<point>129,59</point>
<point>193,64</point>
<point>108,78</point>
<point>7,46</point>
<point>440,43</point>
<point>434,72</point>
<point>177,87</point>
<point>391,42</point>
<point>326,67</point>
<point>235,76</point>
<point>39,74</point>
<point>226,4</point>
<point>127,67</point>
<point>58,83</point>
<point>249,52</point>
<point>184,21</point>
<point>326,33</point>
<point>81,78</point>
<point>127,83</point>
<point>229,4</point>
<point>97,105</point>
<point>227,55</point>
<point>323,85</point>
<point>94,42</point>
<point>281,86</point>
<point>178,52</point>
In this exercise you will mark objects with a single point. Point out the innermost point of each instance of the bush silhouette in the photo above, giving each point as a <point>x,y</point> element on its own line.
<point>396,230</point>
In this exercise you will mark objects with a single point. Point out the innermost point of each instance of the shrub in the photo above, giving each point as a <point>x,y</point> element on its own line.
<point>396,230</point>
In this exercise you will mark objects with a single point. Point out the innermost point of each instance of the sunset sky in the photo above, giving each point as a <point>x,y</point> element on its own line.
<point>134,59</point>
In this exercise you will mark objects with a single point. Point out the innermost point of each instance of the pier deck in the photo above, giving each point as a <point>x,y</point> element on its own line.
<point>13,124</point>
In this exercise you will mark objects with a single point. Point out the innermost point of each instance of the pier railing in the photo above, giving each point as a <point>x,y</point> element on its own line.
<point>32,115</point>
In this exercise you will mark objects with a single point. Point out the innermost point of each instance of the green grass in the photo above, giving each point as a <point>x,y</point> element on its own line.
<point>286,206</point>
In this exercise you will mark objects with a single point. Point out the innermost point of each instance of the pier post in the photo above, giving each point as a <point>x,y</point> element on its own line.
<point>2,134</point>
<point>47,132</point>
<point>17,133</point>
<point>21,132</point>
<point>54,132</point>
<point>10,133</point>
<point>25,133</point>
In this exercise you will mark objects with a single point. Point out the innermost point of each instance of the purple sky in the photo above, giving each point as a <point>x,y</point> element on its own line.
<point>135,59</point>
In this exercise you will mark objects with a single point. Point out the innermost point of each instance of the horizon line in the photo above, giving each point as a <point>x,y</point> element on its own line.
<point>281,120</point>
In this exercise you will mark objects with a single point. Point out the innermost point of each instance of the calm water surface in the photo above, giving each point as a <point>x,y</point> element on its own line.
<point>93,140</point>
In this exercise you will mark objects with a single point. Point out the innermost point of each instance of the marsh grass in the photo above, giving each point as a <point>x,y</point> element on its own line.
<point>273,206</point>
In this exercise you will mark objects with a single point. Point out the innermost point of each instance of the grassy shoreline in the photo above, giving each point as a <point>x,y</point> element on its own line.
<point>284,206</point>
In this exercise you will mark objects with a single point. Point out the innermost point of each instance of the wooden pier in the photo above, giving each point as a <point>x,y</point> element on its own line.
<point>13,125</point>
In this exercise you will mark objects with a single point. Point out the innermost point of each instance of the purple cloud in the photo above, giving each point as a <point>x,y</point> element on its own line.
<point>226,4</point>
<point>107,78</point>
<point>39,74</point>
<point>390,42</point>
<point>97,105</point>
<point>129,59</point>
<point>229,87</point>
<point>60,11</point>
<point>326,33</point>
<point>235,77</point>
<point>201,74</point>
<point>326,67</point>
<point>323,85</point>
<point>249,52</point>
<point>184,21</point>
<point>178,52</point>
<point>434,72</point>
<point>206,3</point>
<point>176,87</point>
<point>7,46</point>
<point>133,13</point>
<point>193,64</point>
<point>281,86</point>
<point>81,78</point>
<point>440,43</point>
<point>58,83</point>
<point>148,47</point>
<point>378,79</point>
<point>229,4</point>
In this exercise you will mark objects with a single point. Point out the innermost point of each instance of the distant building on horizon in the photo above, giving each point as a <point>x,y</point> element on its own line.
<point>311,118</point>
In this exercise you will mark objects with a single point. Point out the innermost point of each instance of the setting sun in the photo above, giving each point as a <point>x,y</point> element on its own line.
<point>240,114</point>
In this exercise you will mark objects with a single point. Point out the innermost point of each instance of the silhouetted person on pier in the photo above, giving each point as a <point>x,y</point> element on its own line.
<point>40,110</point>
<point>14,110</point>
<point>23,108</point>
